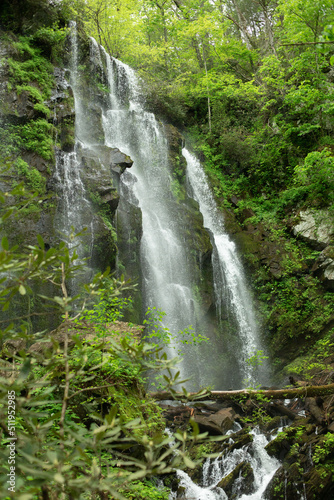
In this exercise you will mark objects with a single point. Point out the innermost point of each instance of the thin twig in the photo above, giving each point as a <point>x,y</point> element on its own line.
<point>90,389</point>
<point>304,43</point>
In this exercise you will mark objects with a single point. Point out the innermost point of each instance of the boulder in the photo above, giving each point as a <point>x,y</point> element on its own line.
<point>12,347</point>
<point>315,227</point>
<point>218,423</point>
<point>240,439</point>
<point>324,267</point>
<point>8,369</point>
<point>206,425</point>
<point>224,419</point>
<point>100,166</point>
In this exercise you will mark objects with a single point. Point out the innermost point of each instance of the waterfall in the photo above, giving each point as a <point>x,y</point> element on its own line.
<point>71,193</point>
<point>74,211</point>
<point>169,278</point>
<point>229,281</point>
<point>167,281</point>
<point>164,260</point>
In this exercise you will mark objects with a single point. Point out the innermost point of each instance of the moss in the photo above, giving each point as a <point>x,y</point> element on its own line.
<point>37,136</point>
<point>34,68</point>
<point>200,451</point>
<point>33,178</point>
<point>131,405</point>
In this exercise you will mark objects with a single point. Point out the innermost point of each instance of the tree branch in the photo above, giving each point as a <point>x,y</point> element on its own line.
<point>304,43</point>
<point>307,391</point>
<point>89,389</point>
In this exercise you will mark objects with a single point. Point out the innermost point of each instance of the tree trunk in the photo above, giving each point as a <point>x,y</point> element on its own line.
<point>300,392</point>
<point>242,25</point>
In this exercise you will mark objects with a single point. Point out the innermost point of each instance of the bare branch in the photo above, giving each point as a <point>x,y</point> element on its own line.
<point>304,43</point>
<point>307,391</point>
<point>89,389</point>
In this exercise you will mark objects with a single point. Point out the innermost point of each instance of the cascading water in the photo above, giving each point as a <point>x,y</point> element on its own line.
<point>167,279</point>
<point>230,287</point>
<point>73,207</point>
<point>254,455</point>
<point>168,274</point>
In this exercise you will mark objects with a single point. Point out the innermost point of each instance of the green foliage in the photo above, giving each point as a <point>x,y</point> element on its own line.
<point>142,490</point>
<point>324,453</point>
<point>34,179</point>
<point>256,359</point>
<point>317,173</point>
<point>37,136</point>
<point>31,74</point>
<point>299,307</point>
<point>31,67</point>
<point>80,407</point>
<point>157,333</point>
<point>50,39</point>
<point>36,96</point>
<point>314,364</point>
<point>8,143</point>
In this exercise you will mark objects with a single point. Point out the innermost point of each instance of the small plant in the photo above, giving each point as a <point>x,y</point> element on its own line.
<point>256,359</point>
<point>34,179</point>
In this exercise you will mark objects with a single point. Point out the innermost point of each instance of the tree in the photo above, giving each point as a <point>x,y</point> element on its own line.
<point>47,449</point>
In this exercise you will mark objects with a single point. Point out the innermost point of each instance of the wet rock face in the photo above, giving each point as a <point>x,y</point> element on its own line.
<point>254,242</point>
<point>316,228</point>
<point>100,166</point>
<point>175,143</point>
<point>303,450</point>
<point>324,267</point>
<point>18,108</point>
<point>238,482</point>
<point>61,103</point>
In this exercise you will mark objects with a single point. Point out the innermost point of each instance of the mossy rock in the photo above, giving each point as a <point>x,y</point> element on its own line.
<point>177,161</point>
<point>238,482</point>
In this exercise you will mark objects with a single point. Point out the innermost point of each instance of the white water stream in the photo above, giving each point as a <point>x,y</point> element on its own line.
<point>229,281</point>
<point>254,454</point>
<point>74,209</point>
<point>167,282</point>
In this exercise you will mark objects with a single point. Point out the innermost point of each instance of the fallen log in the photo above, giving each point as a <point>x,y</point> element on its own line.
<point>274,408</point>
<point>295,392</point>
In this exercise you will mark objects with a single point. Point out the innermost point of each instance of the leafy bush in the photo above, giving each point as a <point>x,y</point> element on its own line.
<point>58,454</point>
<point>317,174</point>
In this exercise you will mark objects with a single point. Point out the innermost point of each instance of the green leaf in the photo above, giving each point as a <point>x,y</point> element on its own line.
<point>59,478</point>
<point>40,241</point>
<point>189,463</point>
<point>4,243</point>
<point>22,290</point>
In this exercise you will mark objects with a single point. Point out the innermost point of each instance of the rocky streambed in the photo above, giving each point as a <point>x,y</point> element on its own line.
<point>275,449</point>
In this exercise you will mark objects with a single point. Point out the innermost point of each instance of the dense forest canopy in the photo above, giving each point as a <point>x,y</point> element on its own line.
<point>253,78</point>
